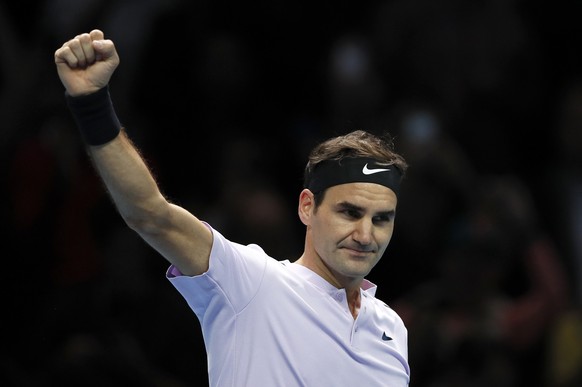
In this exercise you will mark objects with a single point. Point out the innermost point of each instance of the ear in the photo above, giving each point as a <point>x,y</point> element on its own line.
<point>306,206</point>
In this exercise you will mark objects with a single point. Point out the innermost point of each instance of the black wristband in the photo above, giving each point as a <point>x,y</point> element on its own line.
<point>95,116</point>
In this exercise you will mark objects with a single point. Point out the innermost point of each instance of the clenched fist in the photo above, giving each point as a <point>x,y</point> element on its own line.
<point>86,63</point>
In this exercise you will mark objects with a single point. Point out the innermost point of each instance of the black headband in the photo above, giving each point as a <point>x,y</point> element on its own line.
<point>352,170</point>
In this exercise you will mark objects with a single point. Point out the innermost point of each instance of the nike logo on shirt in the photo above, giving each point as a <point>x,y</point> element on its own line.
<point>386,338</point>
<point>367,171</point>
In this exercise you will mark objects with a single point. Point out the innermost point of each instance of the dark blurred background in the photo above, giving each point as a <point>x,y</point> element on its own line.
<point>225,99</point>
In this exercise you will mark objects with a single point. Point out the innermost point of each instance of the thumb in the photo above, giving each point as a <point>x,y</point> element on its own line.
<point>104,48</point>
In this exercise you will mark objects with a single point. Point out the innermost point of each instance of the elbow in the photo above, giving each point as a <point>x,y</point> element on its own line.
<point>147,219</point>
<point>141,225</point>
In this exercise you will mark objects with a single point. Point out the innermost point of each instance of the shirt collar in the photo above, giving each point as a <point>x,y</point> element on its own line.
<point>319,282</point>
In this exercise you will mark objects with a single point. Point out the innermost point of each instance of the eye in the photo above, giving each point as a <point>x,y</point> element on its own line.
<point>351,213</point>
<point>383,219</point>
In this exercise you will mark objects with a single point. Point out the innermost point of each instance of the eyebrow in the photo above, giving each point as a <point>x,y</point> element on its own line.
<point>351,206</point>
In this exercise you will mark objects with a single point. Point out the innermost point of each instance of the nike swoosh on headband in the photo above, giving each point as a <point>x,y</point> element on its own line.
<point>329,173</point>
<point>367,171</point>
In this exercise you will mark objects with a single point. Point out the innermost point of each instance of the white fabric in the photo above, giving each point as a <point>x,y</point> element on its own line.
<point>268,323</point>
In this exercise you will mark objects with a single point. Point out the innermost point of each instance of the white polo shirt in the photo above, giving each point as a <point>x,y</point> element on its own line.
<point>269,323</point>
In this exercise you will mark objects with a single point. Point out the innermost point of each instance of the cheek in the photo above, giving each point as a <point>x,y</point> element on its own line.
<point>338,230</point>
<point>325,223</point>
<point>330,232</point>
<point>384,236</point>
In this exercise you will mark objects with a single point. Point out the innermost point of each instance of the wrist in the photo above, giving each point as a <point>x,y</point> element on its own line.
<point>95,116</point>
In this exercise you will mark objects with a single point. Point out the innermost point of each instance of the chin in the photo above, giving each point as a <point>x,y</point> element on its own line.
<point>358,271</point>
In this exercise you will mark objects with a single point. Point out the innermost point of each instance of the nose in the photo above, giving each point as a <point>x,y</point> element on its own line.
<point>363,232</point>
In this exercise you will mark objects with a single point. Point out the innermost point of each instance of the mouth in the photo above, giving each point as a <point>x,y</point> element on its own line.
<point>359,252</point>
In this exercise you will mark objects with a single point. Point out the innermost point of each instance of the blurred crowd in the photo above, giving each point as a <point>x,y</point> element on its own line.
<point>225,99</point>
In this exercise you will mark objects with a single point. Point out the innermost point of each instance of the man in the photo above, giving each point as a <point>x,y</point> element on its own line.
<point>314,322</point>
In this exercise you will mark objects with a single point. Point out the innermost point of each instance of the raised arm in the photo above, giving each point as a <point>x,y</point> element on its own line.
<point>85,65</point>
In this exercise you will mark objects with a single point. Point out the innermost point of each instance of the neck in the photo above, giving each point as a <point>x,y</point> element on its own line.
<point>351,287</point>
<point>354,301</point>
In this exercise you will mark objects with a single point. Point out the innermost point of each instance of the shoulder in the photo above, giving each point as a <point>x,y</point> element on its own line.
<point>386,312</point>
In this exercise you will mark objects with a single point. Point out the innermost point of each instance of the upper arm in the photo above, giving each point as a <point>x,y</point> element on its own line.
<point>174,232</point>
<point>178,236</point>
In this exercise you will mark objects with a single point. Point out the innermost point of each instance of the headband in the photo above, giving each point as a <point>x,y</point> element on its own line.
<point>352,170</point>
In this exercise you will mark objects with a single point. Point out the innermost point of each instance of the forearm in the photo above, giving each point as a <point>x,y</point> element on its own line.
<point>125,174</point>
<point>129,181</point>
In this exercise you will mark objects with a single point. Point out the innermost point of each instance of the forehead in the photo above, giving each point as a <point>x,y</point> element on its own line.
<point>372,196</point>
